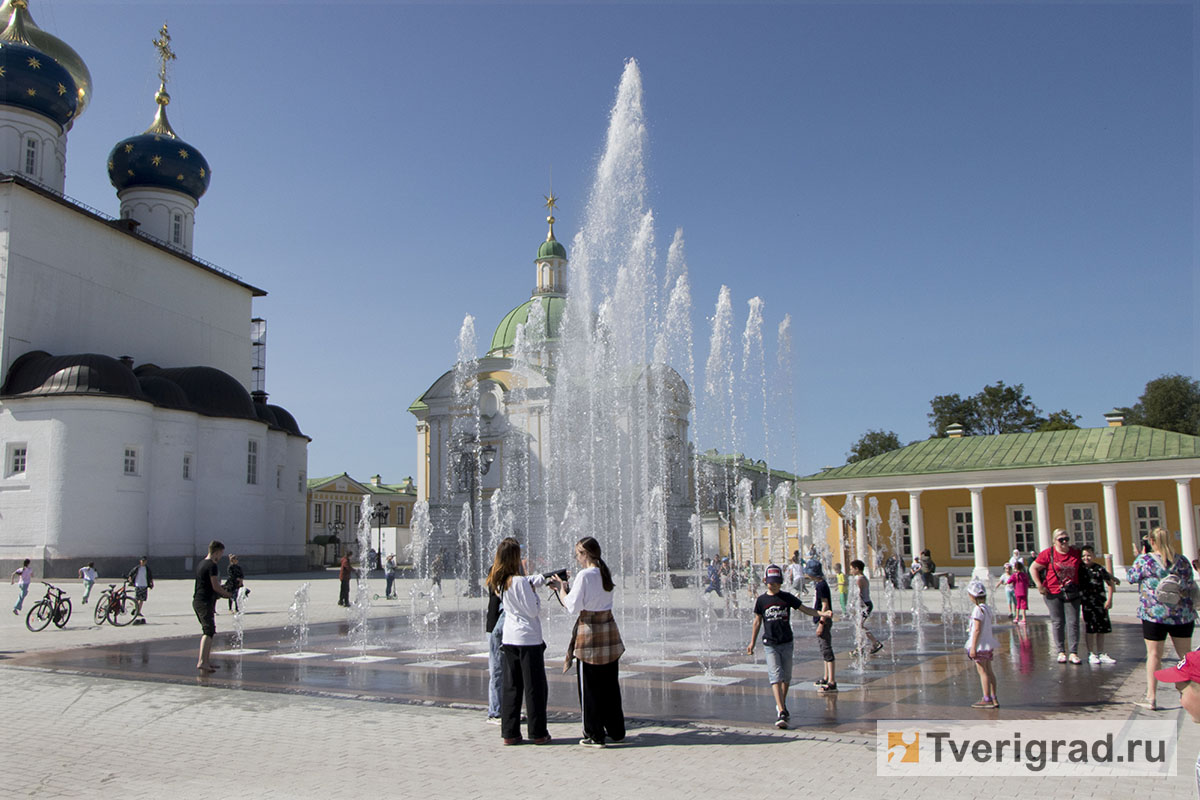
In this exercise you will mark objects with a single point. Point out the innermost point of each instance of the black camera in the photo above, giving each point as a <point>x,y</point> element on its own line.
<point>561,574</point>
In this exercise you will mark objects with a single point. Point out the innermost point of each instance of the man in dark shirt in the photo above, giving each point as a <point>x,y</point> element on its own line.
<point>204,602</point>
<point>344,573</point>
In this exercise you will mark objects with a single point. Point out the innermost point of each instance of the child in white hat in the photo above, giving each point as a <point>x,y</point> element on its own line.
<point>982,644</point>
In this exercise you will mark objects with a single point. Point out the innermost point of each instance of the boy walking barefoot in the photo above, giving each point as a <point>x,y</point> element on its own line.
<point>823,603</point>
<point>981,644</point>
<point>772,613</point>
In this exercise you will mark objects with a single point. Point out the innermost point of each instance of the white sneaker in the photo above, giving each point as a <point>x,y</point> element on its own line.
<point>1062,658</point>
<point>1105,658</point>
<point>1093,658</point>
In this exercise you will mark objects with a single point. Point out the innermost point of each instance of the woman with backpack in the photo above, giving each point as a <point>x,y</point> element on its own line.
<point>1165,584</point>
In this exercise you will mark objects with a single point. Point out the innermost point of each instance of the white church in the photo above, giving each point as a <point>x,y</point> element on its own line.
<point>133,416</point>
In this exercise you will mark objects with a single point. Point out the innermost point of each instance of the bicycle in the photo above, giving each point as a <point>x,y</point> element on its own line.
<point>123,607</point>
<point>116,606</point>
<point>54,607</point>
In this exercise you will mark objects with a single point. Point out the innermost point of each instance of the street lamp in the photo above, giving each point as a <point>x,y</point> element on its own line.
<point>379,512</point>
<point>334,527</point>
<point>487,455</point>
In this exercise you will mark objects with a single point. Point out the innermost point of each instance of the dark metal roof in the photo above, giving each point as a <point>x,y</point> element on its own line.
<point>202,390</point>
<point>39,373</point>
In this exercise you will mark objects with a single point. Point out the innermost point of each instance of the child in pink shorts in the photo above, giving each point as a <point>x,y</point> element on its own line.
<point>982,644</point>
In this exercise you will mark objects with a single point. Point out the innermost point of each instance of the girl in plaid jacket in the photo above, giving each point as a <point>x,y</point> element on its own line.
<point>596,644</point>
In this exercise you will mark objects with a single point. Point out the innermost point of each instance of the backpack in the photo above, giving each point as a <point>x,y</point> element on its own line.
<point>1169,591</point>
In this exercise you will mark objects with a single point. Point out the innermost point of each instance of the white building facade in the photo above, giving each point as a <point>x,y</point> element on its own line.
<point>131,420</point>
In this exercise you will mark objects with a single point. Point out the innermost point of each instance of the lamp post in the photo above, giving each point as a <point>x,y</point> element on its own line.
<point>379,512</point>
<point>335,527</point>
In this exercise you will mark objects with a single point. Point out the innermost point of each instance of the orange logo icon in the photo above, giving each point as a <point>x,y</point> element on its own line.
<point>903,748</point>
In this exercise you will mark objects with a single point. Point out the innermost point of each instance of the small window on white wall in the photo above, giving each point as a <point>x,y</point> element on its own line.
<point>15,461</point>
<point>176,228</point>
<point>300,482</point>
<point>279,477</point>
<point>187,466</point>
<point>252,462</point>
<point>131,461</point>
<point>317,518</point>
<point>31,157</point>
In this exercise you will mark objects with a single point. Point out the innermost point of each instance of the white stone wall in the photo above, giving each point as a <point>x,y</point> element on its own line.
<point>17,126</point>
<point>155,211</point>
<point>73,284</point>
<point>74,503</point>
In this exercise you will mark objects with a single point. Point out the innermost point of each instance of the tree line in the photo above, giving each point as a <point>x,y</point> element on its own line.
<point>1169,402</point>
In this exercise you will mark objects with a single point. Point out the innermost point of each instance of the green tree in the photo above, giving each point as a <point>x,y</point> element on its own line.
<point>873,443</point>
<point>1059,421</point>
<point>1170,402</point>
<point>996,408</point>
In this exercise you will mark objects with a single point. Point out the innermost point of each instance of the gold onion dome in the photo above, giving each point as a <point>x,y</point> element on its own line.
<point>29,78</point>
<point>52,46</point>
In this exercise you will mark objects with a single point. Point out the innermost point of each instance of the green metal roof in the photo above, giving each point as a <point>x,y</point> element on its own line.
<point>1022,451</point>
<point>748,464</point>
<point>506,331</point>
<point>551,248</point>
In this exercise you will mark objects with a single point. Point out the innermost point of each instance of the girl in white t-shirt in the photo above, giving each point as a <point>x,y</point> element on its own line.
<point>522,649</point>
<point>981,644</point>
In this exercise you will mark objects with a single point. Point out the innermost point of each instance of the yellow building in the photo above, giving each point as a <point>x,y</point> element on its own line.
<point>972,500</point>
<point>335,510</point>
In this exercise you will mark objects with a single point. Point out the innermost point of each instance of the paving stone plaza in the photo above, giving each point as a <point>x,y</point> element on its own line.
<point>405,713</point>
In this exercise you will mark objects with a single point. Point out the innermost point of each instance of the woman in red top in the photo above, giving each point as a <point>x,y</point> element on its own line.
<point>1055,572</point>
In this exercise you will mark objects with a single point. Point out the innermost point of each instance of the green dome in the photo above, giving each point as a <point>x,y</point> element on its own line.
<point>506,332</point>
<point>551,248</point>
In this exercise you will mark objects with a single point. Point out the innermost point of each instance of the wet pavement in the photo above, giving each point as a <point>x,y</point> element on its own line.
<point>707,683</point>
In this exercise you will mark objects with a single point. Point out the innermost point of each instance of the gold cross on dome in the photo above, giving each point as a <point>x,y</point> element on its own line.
<point>165,54</point>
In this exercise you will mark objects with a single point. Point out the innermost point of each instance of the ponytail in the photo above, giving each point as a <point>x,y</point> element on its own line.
<point>592,548</point>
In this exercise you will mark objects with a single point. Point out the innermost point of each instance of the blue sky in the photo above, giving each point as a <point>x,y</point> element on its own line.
<point>941,195</point>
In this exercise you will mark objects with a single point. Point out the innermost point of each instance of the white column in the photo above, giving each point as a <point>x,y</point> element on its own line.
<point>979,535</point>
<point>914,523</point>
<point>1041,494</point>
<point>806,504</point>
<point>1187,524</point>
<point>860,529</point>
<point>1112,526</point>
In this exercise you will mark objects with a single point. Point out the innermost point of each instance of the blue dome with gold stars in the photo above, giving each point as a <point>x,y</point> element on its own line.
<point>32,80</point>
<point>158,158</point>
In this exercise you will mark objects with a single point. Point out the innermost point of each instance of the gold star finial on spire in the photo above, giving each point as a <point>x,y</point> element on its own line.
<point>165,54</point>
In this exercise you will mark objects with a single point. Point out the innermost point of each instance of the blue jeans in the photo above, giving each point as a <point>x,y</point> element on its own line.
<point>22,590</point>
<point>391,580</point>
<point>495,667</point>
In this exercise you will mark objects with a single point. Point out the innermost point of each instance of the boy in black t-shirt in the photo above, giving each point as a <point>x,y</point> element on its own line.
<point>772,614</point>
<point>204,602</point>
<point>823,601</point>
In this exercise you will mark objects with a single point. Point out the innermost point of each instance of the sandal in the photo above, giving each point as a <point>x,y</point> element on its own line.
<point>1147,703</point>
<point>985,703</point>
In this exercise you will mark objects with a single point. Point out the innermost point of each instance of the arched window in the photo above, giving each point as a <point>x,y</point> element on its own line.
<point>177,229</point>
<point>31,156</point>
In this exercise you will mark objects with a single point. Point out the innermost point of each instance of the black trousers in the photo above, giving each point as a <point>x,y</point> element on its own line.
<point>344,594</point>
<point>524,673</point>
<point>600,701</point>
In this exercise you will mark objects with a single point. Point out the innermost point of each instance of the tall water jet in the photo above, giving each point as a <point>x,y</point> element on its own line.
<point>297,624</point>
<point>360,609</point>
<point>754,372</point>
<point>892,575</point>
